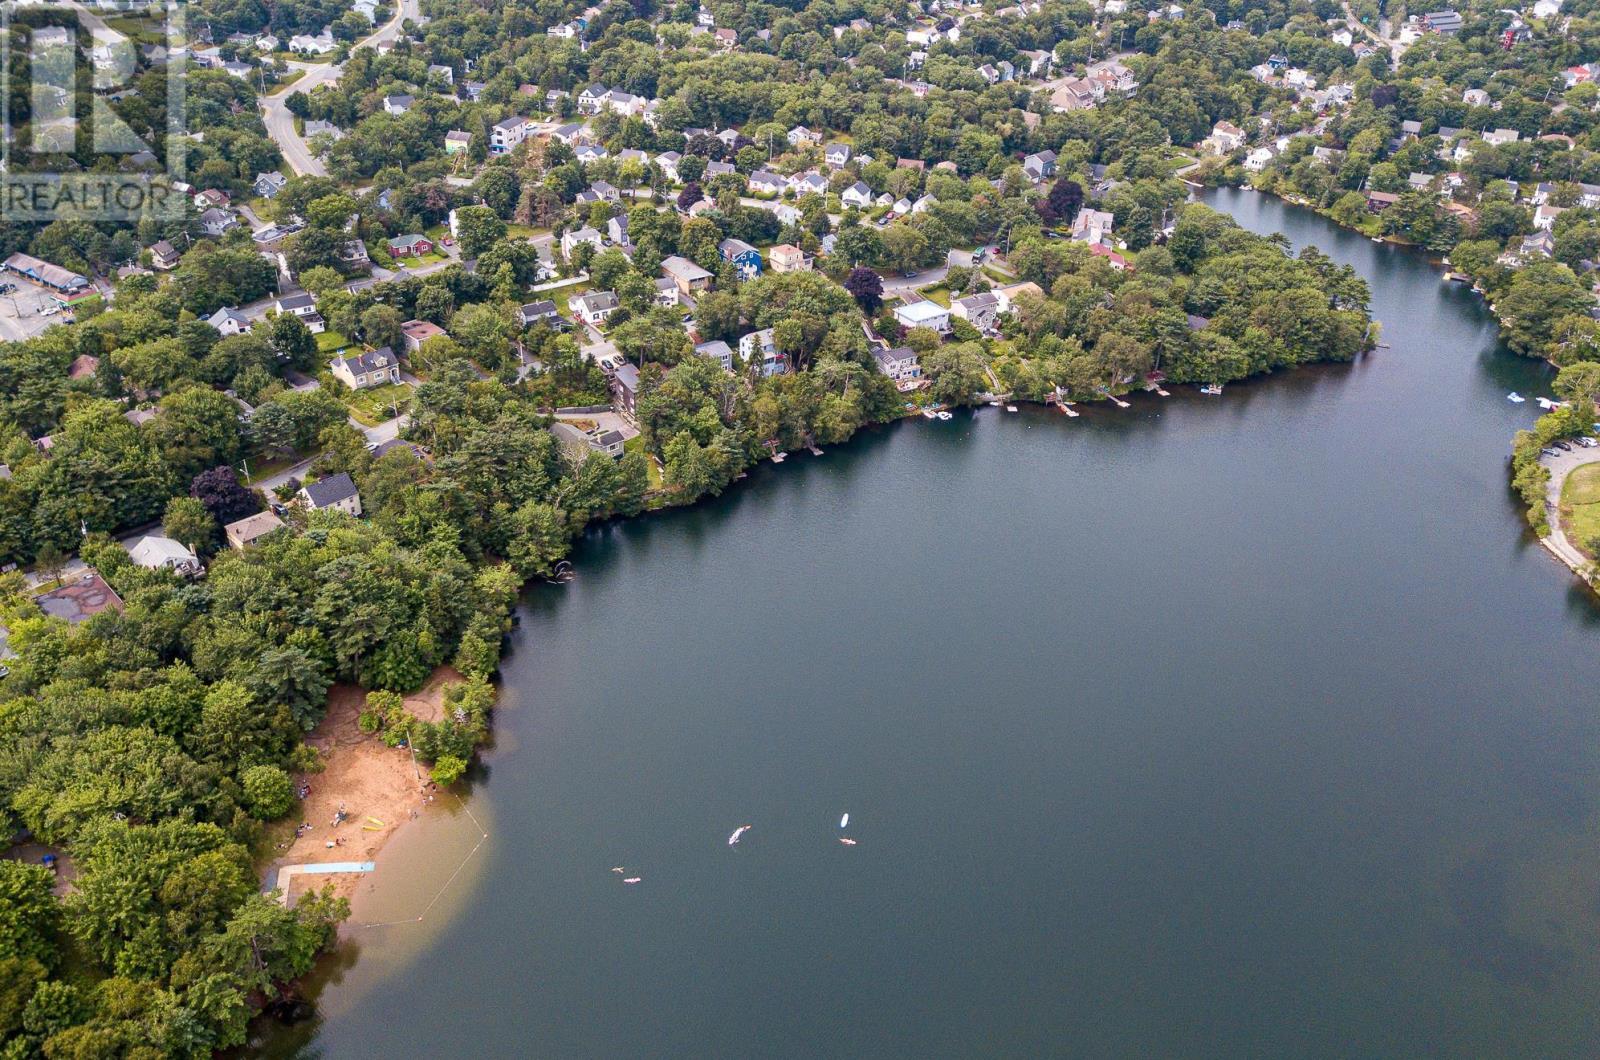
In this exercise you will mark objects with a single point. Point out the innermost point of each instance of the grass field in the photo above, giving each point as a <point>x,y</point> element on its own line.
<point>1580,507</point>
<point>377,404</point>
<point>331,342</point>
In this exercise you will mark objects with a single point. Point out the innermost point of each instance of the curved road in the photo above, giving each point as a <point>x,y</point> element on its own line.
<point>280,123</point>
<point>1560,467</point>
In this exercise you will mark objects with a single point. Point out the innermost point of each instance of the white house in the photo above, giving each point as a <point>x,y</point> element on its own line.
<point>900,364</point>
<point>155,552</point>
<point>858,195</point>
<point>759,348</point>
<point>505,135</point>
<point>924,314</point>
<point>1259,159</point>
<point>594,307</point>
<point>367,369</point>
<point>337,492</point>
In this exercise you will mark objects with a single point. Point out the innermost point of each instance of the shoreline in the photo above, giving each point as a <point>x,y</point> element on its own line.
<point>1555,541</point>
<point>381,790</point>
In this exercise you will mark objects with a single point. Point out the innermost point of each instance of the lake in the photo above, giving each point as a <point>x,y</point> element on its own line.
<point>1252,725</point>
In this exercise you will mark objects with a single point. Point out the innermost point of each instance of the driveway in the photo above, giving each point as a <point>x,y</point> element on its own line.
<point>280,123</point>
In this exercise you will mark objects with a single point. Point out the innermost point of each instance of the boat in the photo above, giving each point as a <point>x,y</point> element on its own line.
<point>1377,239</point>
<point>847,841</point>
<point>930,414</point>
<point>778,458</point>
<point>943,415</point>
<point>738,833</point>
<point>633,879</point>
<point>1515,398</point>
<point>1211,388</point>
<point>844,820</point>
<point>1011,408</point>
<point>618,869</point>
<point>994,404</point>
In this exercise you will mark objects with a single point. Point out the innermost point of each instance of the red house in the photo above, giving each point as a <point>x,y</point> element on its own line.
<point>410,246</point>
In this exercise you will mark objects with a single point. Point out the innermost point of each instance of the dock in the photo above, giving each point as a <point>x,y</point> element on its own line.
<point>814,450</point>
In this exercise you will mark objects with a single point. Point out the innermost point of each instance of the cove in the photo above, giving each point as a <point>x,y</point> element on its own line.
<point>1251,725</point>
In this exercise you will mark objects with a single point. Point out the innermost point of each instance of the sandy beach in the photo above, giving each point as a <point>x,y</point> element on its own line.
<point>382,789</point>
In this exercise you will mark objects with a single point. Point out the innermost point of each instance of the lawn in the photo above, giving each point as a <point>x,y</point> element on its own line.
<point>331,342</point>
<point>636,445</point>
<point>418,260</point>
<point>377,404</point>
<point>1580,506</point>
<point>524,231</point>
<point>941,295</point>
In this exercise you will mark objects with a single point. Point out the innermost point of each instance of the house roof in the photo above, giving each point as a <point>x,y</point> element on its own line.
<point>683,269</point>
<point>368,360</point>
<point>919,311</point>
<point>295,301</point>
<point>154,550</point>
<point>421,330</point>
<point>252,527</point>
<point>331,490</point>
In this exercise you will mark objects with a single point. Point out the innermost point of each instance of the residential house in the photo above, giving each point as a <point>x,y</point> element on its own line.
<point>505,135</point>
<point>571,241</point>
<point>857,195</point>
<point>1225,138</point>
<point>1498,137</point>
<point>1074,93</point>
<point>578,444</point>
<point>617,230</point>
<point>689,278</point>
<point>588,153</point>
<point>457,141</point>
<point>836,155</point>
<point>1039,166</point>
<point>154,552</point>
<point>354,252</point>
<point>979,310</point>
<point>592,98</point>
<point>810,184</point>
<point>243,533</point>
<point>416,332</point>
<point>163,255</point>
<point>267,185</point>
<point>443,73</point>
<point>215,221</point>
<point>538,312</point>
<point>718,351</point>
<point>229,322</point>
<point>923,314</point>
<point>745,258</point>
<point>667,293</point>
<point>409,246</point>
<point>367,369</point>
<point>667,162</point>
<point>321,44</point>
<point>1544,217</point>
<point>1475,97</point>
<point>759,350</point>
<point>1379,201</point>
<point>766,182</point>
<point>625,389</point>
<point>1091,226</point>
<point>397,105</point>
<point>593,308</point>
<point>900,364</point>
<point>1259,158</point>
<point>785,257</point>
<point>316,128</point>
<point>337,492</point>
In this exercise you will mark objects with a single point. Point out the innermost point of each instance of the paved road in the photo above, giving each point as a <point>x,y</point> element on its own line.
<point>1560,467</point>
<point>280,123</point>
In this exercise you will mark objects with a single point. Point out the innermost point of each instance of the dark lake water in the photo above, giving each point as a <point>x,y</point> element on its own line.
<point>1238,726</point>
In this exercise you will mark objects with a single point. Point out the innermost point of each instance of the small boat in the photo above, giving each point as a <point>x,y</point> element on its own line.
<point>943,415</point>
<point>778,458</point>
<point>1515,398</point>
<point>618,869</point>
<point>929,414</point>
<point>1011,408</point>
<point>1212,389</point>
<point>994,404</point>
<point>1377,239</point>
<point>738,833</point>
<point>845,820</point>
<point>847,841</point>
<point>633,879</point>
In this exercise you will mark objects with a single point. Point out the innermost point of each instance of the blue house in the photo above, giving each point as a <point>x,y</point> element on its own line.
<point>745,259</point>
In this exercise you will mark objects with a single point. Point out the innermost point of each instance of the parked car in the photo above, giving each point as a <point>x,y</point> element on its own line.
<point>1588,442</point>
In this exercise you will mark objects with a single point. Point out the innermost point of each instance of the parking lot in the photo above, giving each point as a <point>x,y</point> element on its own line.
<point>26,310</point>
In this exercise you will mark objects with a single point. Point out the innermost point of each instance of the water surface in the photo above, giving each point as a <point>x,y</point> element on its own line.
<point>1239,726</point>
